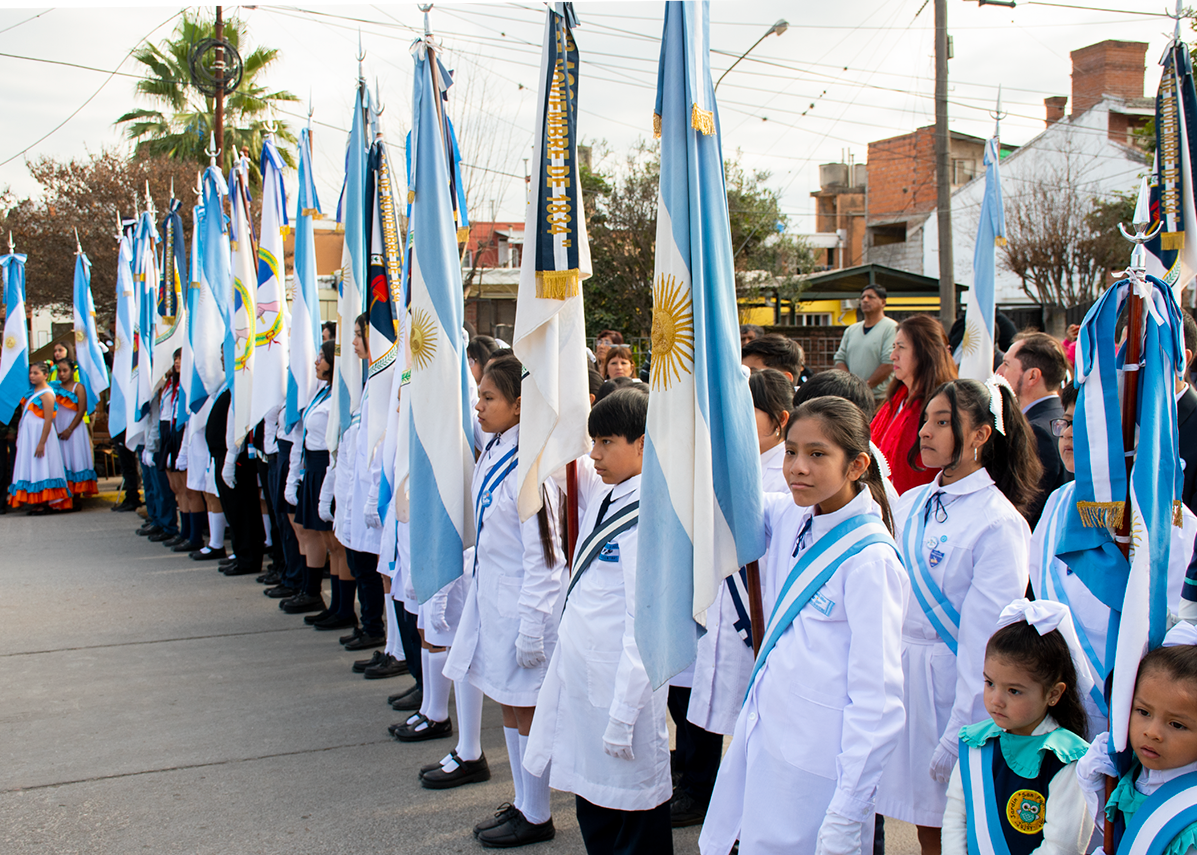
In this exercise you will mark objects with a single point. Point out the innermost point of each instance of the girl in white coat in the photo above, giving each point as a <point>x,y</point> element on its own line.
<point>964,542</point>
<point>508,626</point>
<point>824,704</point>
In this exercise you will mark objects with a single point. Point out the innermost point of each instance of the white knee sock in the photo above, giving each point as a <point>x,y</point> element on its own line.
<point>469,720</point>
<point>216,526</point>
<point>266,522</point>
<point>436,686</point>
<point>515,758</point>
<point>535,807</point>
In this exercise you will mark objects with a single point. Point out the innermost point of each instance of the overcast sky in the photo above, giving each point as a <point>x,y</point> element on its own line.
<point>843,74</point>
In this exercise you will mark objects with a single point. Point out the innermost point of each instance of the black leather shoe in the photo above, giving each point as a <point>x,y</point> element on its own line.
<point>126,506</point>
<point>404,694</point>
<point>409,702</point>
<point>185,546</point>
<point>362,664</point>
<point>174,541</point>
<point>685,811</point>
<point>147,529</point>
<point>225,562</point>
<point>240,569</point>
<point>335,621</point>
<point>366,642</point>
<point>207,554</point>
<point>269,579</point>
<point>516,831</point>
<point>160,537</point>
<point>419,728</point>
<point>353,636</point>
<point>302,604</point>
<point>319,616</point>
<point>503,813</point>
<point>280,592</point>
<point>391,667</point>
<point>466,772</point>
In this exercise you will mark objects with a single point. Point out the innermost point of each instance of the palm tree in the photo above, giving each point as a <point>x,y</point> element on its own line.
<point>181,128</point>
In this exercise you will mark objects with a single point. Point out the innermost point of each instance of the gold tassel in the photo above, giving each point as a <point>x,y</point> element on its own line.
<point>1172,241</point>
<point>656,126</point>
<point>1101,514</point>
<point>999,241</point>
<point>310,212</point>
<point>463,235</point>
<point>703,120</point>
<point>411,196</point>
<point>557,284</point>
<point>1178,514</point>
<point>232,246</point>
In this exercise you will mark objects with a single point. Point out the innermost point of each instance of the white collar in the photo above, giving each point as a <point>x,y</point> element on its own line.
<point>1152,779</point>
<point>861,503</point>
<point>1184,388</point>
<point>624,488</point>
<point>978,480</point>
<point>772,458</point>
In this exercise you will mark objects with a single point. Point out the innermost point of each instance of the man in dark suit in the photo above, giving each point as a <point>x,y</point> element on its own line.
<point>1186,422</point>
<point>1035,367</point>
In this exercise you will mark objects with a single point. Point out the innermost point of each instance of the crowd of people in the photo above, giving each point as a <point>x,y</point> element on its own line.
<point>903,672</point>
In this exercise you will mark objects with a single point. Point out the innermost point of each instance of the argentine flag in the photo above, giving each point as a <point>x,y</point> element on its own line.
<point>270,307</point>
<point>218,273</point>
<point>244,308</point>
<point>700,503</point>
<point>204,331</point>
<point>14,356</point>
<point>170,328</point>
<point>976,350</point>
<point>145,278</point>
<point>441,462</point>
<point>305,305</point>
<point>121,400</point>
<point>93,373</point>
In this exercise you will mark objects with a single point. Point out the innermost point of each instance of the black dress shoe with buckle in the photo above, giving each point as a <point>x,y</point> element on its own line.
<point>391,667</point>
<point>419,728</point>
<point>302,604</point>
<point>517,831</point>
<point>366,642</point>
<point>503,813</point>
<point>464,772</point>
<point>280,592</point>
<point>361,665</point>
<point>335,621</point>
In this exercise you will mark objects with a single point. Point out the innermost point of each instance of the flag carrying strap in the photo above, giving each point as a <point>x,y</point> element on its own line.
<point>603,533</point>
<point>944,616</point>
<point>1164,815</point>
<point>496,476</point>
<point>813,569</point>
<point>976,774</point>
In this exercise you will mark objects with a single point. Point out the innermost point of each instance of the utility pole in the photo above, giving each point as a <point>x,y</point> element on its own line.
<point>218,118</point>
<point>943,163</point>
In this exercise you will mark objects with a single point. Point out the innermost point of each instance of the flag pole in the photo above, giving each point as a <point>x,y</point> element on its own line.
<point>756,607</point>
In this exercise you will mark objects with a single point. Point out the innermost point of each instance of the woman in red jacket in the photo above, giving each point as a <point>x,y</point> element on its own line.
<point>922,362</point>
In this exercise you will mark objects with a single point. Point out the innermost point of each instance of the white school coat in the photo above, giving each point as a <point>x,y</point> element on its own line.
<point>825,711</point>
<point>724,661</point>
<point>596,674</point>
<point>1091,614</point>
<point>984,543</point>
<point>509,590</point>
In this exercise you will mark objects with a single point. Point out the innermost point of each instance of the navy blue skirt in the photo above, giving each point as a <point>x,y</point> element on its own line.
<point>307,512</point>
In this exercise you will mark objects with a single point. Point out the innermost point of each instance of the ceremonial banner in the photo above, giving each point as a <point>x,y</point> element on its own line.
<point>351,299</point>
<point>145,279</point>
<point>441,462</point>
<point>550,326</point>
<point>205,331</point>
<point>93,373</point>
<point>14,356</point>
<point>244,306</point>
<point>218,273</point>
<point>123,397</point>
<point>270,306</point>
<point>701,515</point>
<point>976,361</point>
<point>305,304</point>
<point>170,329</point>
<point>385,275</point>
<point>1172,257</point>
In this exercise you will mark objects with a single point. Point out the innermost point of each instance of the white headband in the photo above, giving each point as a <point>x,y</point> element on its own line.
<point>1184,633</point>
<point>996,402</point>
<point>1046,615</point>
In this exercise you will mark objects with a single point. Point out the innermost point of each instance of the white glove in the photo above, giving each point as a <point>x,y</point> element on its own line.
<point>325,509</point>
<point>291,494</point>
<point>1093,768</point>
<point>838,835</point>
<point>147,457</point>
<point>229,473</point>
<point>617,740</point>
<point>409,587</point>
<point>943,761</point>
<point>529,650</point>
<point>373,520</point>
<point>438,605</point>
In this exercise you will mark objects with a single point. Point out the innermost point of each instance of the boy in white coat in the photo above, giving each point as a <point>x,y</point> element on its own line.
<point>597,718</point>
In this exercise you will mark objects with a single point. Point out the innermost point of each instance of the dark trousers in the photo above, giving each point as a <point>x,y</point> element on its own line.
<point>280,465</point>
<point>409,638</point>
<point>364,567</point>
<point>698,751</point>
<point>127,460</point>
<point>161,507</point>
<point>243,510</point>
<point>276,548</point>
<point>625,832</point>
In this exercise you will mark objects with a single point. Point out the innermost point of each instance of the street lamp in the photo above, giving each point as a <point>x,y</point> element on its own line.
<point>780,27</point>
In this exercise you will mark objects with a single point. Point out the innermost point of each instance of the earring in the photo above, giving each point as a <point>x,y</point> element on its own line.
<point>974,454</point>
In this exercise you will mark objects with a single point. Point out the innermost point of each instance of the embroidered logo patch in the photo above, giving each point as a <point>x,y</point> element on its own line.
<point>610,552</point>
<point>821,603</point>
<point>1026,811</point>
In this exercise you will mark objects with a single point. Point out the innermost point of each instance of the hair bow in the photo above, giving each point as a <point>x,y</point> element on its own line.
<point>1184,633</point>
<point>1048,615</point>
<point>996,403</point>
<point>882,463</point>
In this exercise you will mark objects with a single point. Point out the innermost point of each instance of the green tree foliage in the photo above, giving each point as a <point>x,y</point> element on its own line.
<point>178,122</point>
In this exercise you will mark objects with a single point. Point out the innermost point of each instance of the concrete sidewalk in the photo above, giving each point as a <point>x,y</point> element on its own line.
<point>152,704</point>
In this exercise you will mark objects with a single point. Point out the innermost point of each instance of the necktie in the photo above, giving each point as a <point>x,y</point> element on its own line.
<point>603,508</point>
<point>941,512</point>
<point>802,533</point>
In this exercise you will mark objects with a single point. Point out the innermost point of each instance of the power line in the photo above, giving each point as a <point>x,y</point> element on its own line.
<point>26,21</point>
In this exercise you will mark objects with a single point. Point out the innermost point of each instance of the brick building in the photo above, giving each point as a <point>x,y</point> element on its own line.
<point>839,214</point>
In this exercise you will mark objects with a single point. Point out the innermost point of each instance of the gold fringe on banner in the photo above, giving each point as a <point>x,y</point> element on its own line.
<point>999,241</point>
<point>411,196</point>
<point>463,235</point>
<point>1101,514</point>
<point>656,126</point>
<point>1172,241</point>
<point>232,246</point>
<point>702,120</point>
<point>558,284</point>
<point>309,212</point>
<point>1178,514</point>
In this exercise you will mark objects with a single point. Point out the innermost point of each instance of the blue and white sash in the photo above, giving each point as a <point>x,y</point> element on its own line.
<point>944,616</point>
<point>1165,814</point>
<point>1052,588</point>
<point>497,474</point>
<point>976,774</point>
<point>814,568</point>
<point>612,527</point>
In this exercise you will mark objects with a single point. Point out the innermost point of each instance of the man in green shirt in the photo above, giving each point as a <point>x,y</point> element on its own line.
<point>866,346</point>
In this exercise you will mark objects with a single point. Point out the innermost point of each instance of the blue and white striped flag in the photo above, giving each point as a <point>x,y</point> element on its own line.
<point>976,361</point>
<point>123,395</point>
<point>93,373</point>
<point>270,306</point>
<point>700,505</point>
<point>244,306</point>
<point>218,271</point>
<point>305,303</point>
<point>441,462</point>
<point>145,279</point>
<point>170,327</point>
<point>205,330</point>
<point>14,356</point>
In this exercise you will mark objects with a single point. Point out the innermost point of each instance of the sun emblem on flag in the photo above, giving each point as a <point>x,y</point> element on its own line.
<point>672,332</point>
<point>79,336</point>
<point>972,338</point>
<point>423,338</point>
<point>10,342</point>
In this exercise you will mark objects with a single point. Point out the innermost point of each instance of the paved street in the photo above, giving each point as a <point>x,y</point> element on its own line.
<point>151,704</point>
